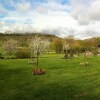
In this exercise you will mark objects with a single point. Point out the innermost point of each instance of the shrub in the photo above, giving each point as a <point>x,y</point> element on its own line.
<point>84,63</point>
<point>1,57</point>
<point>23,53</point>
<point>38,71</point>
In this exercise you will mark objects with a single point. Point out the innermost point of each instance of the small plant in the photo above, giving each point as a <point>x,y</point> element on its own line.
<point>38,71</point>
<point>84,63</point>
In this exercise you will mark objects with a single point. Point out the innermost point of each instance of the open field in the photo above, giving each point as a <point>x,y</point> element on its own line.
<point>64,79</point>
<point>49,49</point>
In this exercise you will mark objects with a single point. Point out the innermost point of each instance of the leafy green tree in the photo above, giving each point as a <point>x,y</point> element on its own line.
<point>58,45</point>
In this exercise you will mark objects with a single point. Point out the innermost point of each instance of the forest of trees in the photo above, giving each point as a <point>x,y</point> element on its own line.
<point>17,45</point>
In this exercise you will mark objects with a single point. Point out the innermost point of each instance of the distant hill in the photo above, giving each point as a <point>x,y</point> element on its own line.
<point>24,36</point>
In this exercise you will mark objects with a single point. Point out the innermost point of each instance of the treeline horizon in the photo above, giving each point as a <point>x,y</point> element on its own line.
<point>57,44</point>
<point>39,34</point>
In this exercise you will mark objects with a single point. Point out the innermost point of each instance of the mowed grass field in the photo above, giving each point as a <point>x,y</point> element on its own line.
<point>64,79</point>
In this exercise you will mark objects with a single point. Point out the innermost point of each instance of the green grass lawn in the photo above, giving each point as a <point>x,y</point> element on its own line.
<point>64,79</point>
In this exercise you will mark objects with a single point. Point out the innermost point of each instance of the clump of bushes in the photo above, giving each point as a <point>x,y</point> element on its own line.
<point>23,53</point>
<point>1,56</point>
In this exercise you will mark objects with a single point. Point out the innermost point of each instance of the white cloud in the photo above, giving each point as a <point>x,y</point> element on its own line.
<point>94,11</point>
<point>2,9</point>
<point>52,7</point>
<point>79,19</point>
<point>24,7</point>
<point>87,9</point>
<point>83,20</point>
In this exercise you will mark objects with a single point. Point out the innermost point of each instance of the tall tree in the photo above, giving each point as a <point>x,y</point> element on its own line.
<point>38,46</point>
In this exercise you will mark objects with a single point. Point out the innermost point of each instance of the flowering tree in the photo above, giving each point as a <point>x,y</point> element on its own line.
<point>10,46</point>
<point>37,45</point>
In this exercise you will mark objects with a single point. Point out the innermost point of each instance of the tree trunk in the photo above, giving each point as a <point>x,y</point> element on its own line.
<point>37,61</point>
<point>10,54</point>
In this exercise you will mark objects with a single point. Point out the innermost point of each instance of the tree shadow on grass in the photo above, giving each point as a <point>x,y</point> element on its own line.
<point>6,73</point>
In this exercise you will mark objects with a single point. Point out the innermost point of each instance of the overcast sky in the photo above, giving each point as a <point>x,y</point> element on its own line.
<point>78,18</point>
